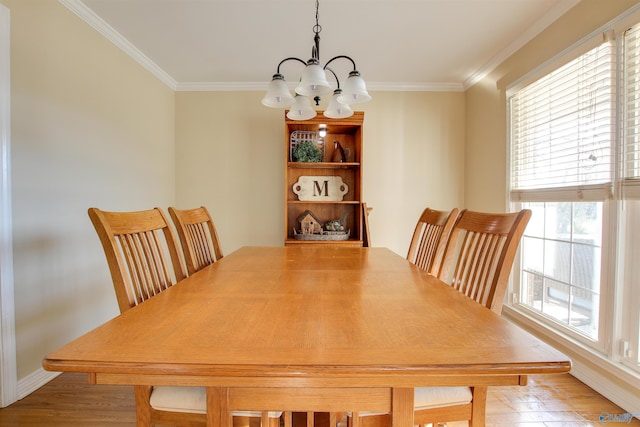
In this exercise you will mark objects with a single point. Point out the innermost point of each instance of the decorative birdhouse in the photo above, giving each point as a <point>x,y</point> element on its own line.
<point>309,223</point>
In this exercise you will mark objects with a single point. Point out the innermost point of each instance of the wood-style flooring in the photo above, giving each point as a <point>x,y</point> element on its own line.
<point>549,401</point>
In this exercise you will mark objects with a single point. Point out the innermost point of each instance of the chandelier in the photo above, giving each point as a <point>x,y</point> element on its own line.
<point>314,84</point>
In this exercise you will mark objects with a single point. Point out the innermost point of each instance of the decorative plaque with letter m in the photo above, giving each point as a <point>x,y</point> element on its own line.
<point>320,188</point>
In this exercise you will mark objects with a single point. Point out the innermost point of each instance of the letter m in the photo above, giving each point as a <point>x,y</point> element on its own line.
<point>318,189</point>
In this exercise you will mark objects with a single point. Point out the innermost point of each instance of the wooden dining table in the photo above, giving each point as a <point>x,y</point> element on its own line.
<point>309,329</point>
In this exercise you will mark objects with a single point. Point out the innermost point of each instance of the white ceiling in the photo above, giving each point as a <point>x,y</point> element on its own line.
<point>396,44</point>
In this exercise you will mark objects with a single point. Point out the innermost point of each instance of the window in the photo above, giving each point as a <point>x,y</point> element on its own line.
<point>562,129</point>
<point>630,198</point>
<point>575,162</point>
<point>561,263</point>
<point>630,339</point>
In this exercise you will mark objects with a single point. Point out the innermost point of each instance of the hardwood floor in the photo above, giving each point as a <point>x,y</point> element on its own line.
<point>549,401</point>
<point>69,400</point>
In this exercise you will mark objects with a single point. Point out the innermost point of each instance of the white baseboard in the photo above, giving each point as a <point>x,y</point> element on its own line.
<point>607,388</point>
<point>34,381</point>
<point>612,380</point>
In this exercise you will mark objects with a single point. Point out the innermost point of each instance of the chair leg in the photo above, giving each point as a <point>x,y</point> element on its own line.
<point>273,422</point>
<point>288,418</point>
<point>143,405</point>
<point>333,419</point>
<point>354,420</point>
<point>479,408</point>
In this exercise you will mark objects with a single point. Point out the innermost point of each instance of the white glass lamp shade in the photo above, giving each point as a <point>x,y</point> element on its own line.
<point>301,109</point>
<point>336,109</point>
<point>278,94</point>
<point>313,81</point>
<point>354,90</point>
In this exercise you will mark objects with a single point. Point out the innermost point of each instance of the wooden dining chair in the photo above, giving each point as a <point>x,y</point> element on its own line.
<point>144,260</point>
<point>141,253</point>
<point>478,258</point>
<point>430,238</point>
<point>480,254</point>
<point>198,237</point>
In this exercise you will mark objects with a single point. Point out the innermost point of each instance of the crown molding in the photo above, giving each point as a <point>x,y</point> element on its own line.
<point>221,86</point>
<point>262,86</point>
<point>87,15</point>
<point>557,11</point>
<point>416,87</point>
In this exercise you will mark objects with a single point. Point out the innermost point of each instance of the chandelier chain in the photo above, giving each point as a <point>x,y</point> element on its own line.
<point>317,28</point>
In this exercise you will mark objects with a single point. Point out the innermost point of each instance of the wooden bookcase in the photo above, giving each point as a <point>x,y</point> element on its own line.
<point>348,132</point>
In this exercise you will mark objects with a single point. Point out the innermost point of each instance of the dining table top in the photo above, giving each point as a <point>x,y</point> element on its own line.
<point>308,316</point>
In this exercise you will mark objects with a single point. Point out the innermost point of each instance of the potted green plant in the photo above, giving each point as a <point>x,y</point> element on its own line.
<point>307,151</point>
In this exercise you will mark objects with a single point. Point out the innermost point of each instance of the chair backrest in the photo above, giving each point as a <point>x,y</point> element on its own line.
<point>480,254</point>
<point>366,233</point>
<point>136,246</point>
<point>198,237</point>
<point>430,238</point>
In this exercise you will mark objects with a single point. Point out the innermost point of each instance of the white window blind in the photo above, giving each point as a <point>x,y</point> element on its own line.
<point>631,143</point>
<point>562,130</point>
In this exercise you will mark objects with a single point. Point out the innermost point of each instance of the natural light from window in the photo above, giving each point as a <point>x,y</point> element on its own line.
<point>561,263</point>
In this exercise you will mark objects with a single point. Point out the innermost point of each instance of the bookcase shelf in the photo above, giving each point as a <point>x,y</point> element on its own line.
<point>348,133</point>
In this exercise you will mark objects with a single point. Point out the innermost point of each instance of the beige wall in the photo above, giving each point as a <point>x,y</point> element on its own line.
<point>228,160</point>
<point>90,127</point>
<point>414,158</point>
<point>230,157</point>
